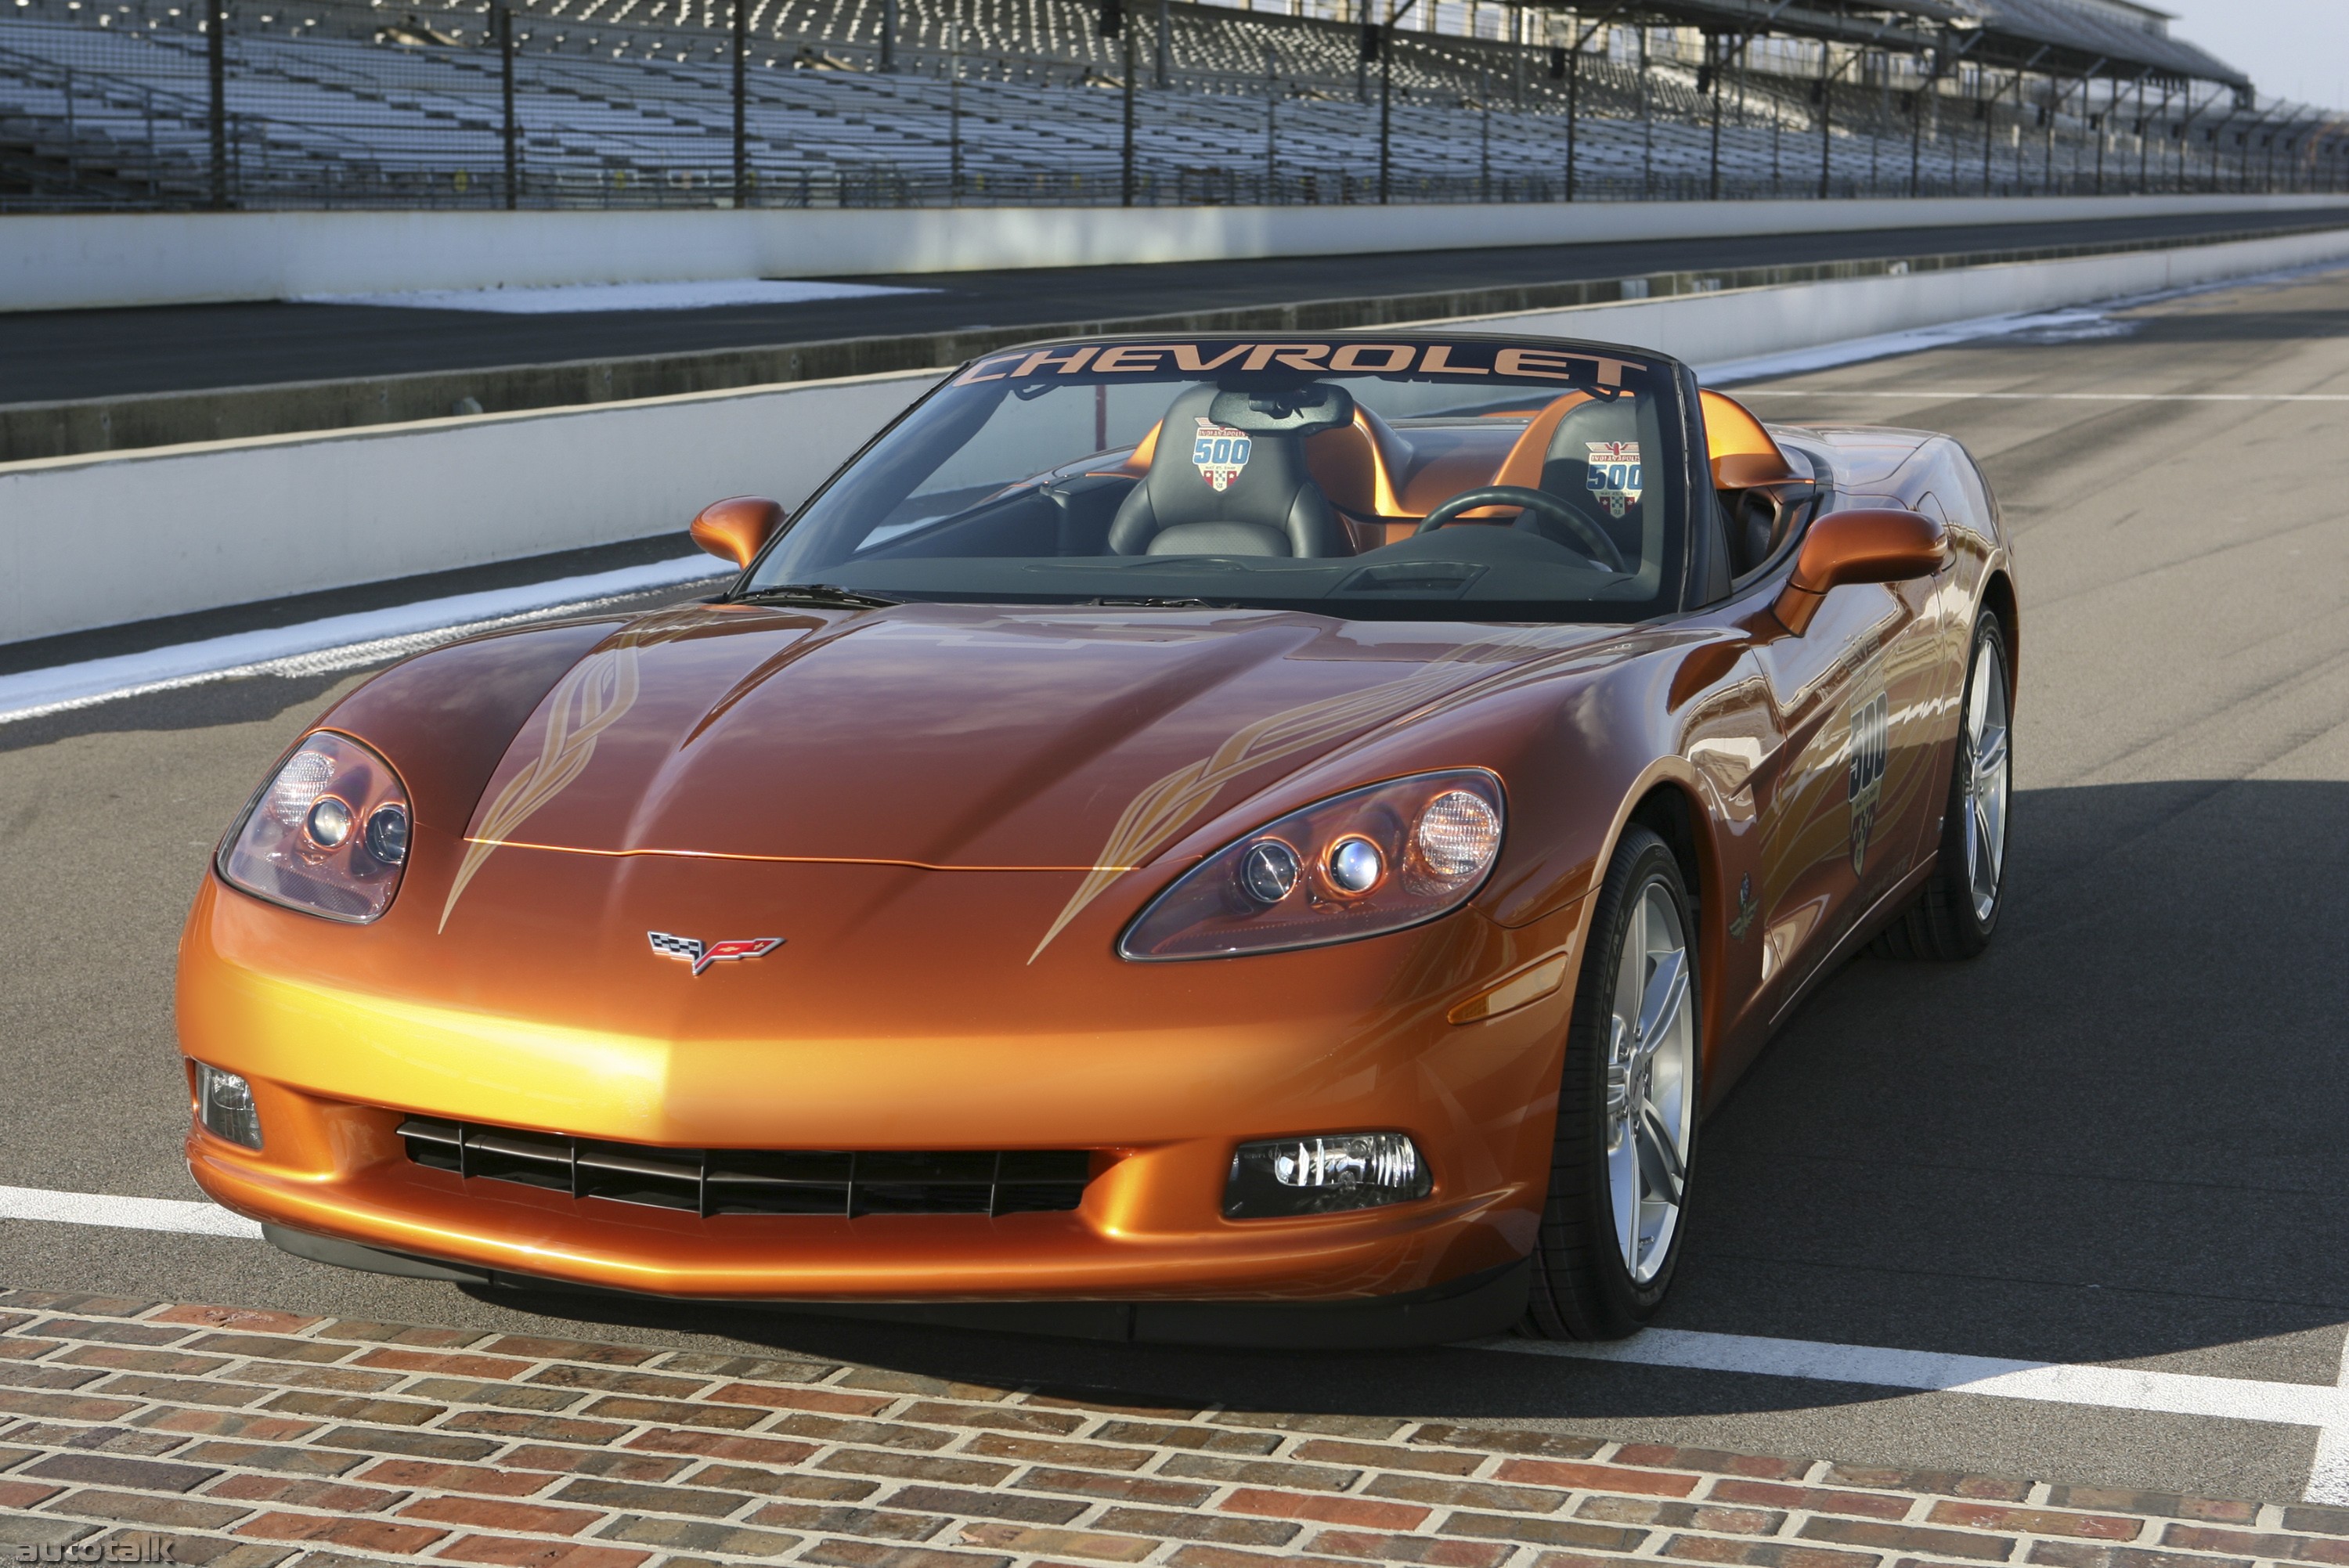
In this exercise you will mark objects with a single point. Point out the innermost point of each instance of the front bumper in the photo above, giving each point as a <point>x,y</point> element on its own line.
<point>1161,1096</point>
<point>1474,1307</point>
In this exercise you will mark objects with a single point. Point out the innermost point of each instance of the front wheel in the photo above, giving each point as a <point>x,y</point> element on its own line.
<point>1957,912</point>
<point>1610,1231</point>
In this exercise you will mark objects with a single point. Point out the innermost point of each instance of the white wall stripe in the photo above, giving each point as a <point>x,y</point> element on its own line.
<point>124,1213</point>
<point>2070,321</point>
<point>337,642</point>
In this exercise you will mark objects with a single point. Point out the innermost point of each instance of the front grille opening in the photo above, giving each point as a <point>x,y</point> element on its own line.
<point>837,1182</point>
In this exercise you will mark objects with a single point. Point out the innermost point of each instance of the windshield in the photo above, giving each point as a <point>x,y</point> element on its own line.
<point>1480,476</point>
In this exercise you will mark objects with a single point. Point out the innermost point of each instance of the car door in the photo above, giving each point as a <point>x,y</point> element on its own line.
<point>1854,697</point>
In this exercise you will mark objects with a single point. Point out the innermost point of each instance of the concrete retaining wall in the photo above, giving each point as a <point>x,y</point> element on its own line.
<point>73,261</point>
<point>202,526</point>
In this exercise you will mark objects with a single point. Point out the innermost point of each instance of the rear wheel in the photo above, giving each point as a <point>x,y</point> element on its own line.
<point>1957,912</point>
<point>1610,1230</point>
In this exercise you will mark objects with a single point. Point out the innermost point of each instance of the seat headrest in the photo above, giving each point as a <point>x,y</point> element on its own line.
<point>1594,454</point>
<point>1205,473</point>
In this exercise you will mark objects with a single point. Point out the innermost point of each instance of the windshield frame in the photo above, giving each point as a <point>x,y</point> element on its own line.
<point>1690,561</point>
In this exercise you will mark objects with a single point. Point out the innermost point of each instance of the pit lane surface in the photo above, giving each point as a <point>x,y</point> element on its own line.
<point>53,356</point>
<point>2114,1139</point>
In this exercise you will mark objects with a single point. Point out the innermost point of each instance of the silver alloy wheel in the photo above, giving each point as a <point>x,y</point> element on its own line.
<point>1986,779</point>
<point>1650,1061</point>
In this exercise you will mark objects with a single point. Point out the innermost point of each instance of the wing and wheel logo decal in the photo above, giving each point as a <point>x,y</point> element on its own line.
<point>1870,733</point>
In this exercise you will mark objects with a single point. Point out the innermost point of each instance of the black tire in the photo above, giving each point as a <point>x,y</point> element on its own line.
<point>1581,1286</point>
<point>1943,924</point>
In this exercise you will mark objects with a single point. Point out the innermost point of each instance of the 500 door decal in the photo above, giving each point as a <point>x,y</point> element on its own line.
<point>1870,738</point>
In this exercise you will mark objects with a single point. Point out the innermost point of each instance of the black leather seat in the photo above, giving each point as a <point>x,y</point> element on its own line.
<point>1271,506</point>
<point>1567,464</point>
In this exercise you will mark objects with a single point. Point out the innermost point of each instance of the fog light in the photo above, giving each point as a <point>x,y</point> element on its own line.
<point>1325,1174</point>
<point>224,1103</point>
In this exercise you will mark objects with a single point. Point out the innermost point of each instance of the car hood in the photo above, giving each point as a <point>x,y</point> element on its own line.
<point>960,737</point>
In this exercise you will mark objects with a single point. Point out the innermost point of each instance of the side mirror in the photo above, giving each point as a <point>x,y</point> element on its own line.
<point>736,527</point>
<point>1867,545</point>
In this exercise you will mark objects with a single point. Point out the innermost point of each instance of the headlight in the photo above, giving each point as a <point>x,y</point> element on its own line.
<point>1360,864</point>
<point>328,835</point>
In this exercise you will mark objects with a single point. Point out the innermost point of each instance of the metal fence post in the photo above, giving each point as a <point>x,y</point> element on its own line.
<point>1647,123</point>
<point>1271,106</point>
<point>1485,133</point>
<point>742,103</point>
<point>954,113</point>
<point>1917,126</point>
<point>506,87</point>
<point>1988,109</point>
<point>2102,125</point>
<point>1126,175</point>
<point>2047,124</point>
<point>1713,67</point>
<point>1826,107</point>
<point>1386,115</point>
<point>216,73</point>
<point>154,166</point>
<point>1573,93</point>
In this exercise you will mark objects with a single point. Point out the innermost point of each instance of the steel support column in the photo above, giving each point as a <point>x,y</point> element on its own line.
<point>742,103</point>
<point>1125,161</point>
<point>216,82</point>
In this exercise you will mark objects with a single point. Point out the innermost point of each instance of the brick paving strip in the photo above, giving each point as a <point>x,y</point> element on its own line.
<point>245,1438</point>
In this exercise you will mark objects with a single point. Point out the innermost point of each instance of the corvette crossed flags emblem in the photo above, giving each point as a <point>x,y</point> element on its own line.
<point>702,954</point>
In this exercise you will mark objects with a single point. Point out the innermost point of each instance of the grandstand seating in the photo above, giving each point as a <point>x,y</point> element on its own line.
<point>622,103</point>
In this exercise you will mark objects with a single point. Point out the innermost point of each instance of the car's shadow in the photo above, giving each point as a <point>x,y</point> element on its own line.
<point>2115,1135</point>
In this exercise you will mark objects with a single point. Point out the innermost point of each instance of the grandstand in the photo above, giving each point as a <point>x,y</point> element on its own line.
<point>588,103</point>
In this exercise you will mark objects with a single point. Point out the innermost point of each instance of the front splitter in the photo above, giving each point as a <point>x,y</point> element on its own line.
<point>1474,1306</point>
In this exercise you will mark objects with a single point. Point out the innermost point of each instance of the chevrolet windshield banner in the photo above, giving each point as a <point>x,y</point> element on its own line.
<point>1471,357</point>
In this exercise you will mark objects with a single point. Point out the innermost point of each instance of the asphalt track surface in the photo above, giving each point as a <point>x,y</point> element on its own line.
<point>2114,1137</point>
<point>50,357</point>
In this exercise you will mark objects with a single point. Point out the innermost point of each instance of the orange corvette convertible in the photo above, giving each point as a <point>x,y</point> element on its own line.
<point>1222,840</point>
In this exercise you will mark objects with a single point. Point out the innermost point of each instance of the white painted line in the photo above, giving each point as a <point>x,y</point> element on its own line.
<point>124,1213</point>
<point>2107,1388</point>
<point>566,298</point>
<point>2328,1472</point>
<point>2323,1405</point>
<point>1940,396</point>
<point>334,643</point>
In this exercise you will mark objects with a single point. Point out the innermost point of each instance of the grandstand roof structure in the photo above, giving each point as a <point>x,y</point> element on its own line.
<point>2066,37</point>
<point>2110,38</point>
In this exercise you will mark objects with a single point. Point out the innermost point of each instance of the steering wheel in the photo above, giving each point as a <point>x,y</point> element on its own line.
<point>1594,540</point>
